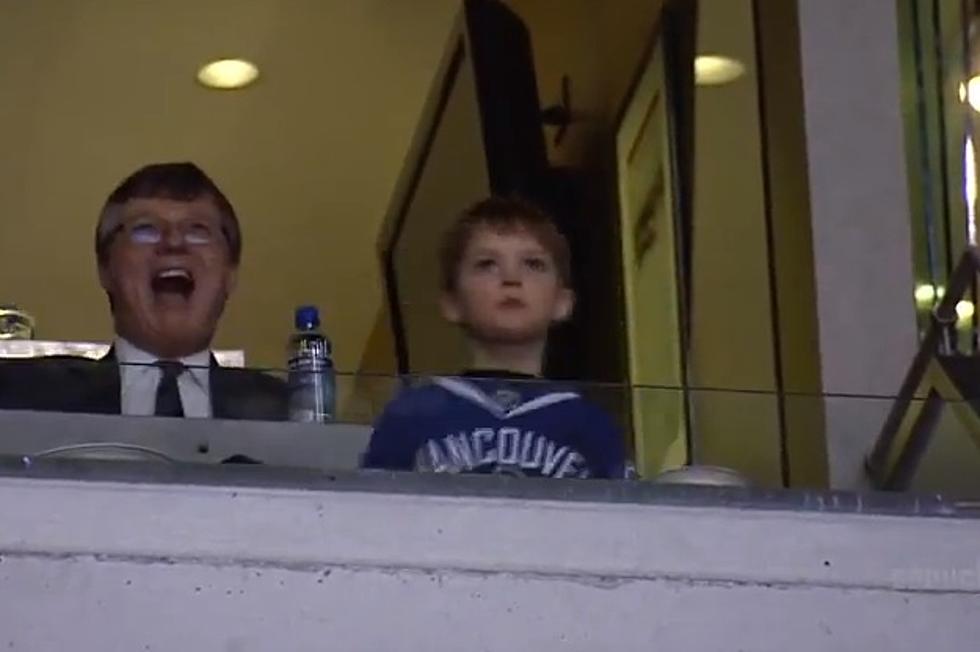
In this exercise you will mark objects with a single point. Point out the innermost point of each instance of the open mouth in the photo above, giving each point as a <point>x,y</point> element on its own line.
<point>173,282</point>
<point>511,304</point>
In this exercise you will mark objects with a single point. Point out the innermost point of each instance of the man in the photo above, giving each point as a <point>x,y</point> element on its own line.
<point>168,245</point>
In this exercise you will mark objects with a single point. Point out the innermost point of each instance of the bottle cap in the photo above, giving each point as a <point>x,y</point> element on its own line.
<point>307,317</point>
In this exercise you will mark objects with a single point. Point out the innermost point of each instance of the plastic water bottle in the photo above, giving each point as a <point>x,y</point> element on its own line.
<point>311,374</point>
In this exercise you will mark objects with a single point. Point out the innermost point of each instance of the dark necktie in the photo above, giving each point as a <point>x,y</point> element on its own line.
<point>168,393</point>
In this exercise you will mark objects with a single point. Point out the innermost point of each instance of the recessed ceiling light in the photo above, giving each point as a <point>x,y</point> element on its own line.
<point>715,70</point>
<point>228,74</point>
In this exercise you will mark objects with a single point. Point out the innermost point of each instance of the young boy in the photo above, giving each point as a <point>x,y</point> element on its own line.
<point>505,281</point>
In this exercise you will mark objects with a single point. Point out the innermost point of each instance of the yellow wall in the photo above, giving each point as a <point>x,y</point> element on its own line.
<point>453,177</point>
<point>792,240</point>
<point>731,344</point>
<point>93,89</point>
<point>734,359</point>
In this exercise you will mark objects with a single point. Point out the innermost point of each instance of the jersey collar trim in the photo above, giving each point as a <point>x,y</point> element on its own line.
<point>474,394</point>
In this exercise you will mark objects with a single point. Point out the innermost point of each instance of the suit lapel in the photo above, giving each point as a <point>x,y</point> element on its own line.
<point>101,392</point>
<point>243,394</point>
<point>222,389</point>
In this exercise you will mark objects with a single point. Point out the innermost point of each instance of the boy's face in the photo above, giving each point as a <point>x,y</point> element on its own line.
<point>508,288</point>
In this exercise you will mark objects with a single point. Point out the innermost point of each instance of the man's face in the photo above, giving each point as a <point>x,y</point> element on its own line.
<point>169,272</point>
<point>507,289</point>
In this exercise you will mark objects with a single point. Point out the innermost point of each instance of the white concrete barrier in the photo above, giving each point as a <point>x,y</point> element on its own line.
<point>139,566</point>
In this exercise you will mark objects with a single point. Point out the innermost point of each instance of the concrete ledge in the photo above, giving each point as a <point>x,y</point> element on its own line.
<point>594,541</point>
<point>114,565</point>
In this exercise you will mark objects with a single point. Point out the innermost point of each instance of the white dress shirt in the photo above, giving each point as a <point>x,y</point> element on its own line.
<point>138,380</point>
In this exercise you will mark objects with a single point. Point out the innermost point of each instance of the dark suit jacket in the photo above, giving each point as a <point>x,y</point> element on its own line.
<point>75,384</point>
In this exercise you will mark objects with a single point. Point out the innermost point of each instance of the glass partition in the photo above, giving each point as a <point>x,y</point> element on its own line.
<point>489,426</point>
<point>941,96</point>
<point>682,305</point>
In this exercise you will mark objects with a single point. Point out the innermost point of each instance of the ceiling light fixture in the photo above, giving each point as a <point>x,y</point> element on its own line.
<point>228,74</point>
<point>715,70</point>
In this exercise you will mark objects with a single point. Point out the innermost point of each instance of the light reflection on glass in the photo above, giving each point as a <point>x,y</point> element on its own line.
<point>970,189</point>
<point>970,92</point>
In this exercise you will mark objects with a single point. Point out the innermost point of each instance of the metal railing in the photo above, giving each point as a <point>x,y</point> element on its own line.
<point>896,455</point>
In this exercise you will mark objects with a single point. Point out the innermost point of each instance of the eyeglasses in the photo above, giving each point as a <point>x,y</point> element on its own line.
<point>147,231</point>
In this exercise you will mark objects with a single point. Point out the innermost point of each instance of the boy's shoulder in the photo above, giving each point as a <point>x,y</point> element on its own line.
<point>418,395</point>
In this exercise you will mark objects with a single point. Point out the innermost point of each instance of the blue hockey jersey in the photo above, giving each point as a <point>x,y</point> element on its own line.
<point>496,425</point>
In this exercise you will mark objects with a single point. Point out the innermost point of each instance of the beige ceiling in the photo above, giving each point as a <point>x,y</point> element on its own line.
<point>91,89</point>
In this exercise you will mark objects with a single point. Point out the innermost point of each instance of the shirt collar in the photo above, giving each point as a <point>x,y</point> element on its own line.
<point>198,363</point>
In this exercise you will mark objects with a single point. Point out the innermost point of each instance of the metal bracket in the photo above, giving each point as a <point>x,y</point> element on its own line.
<point>560,115</point>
